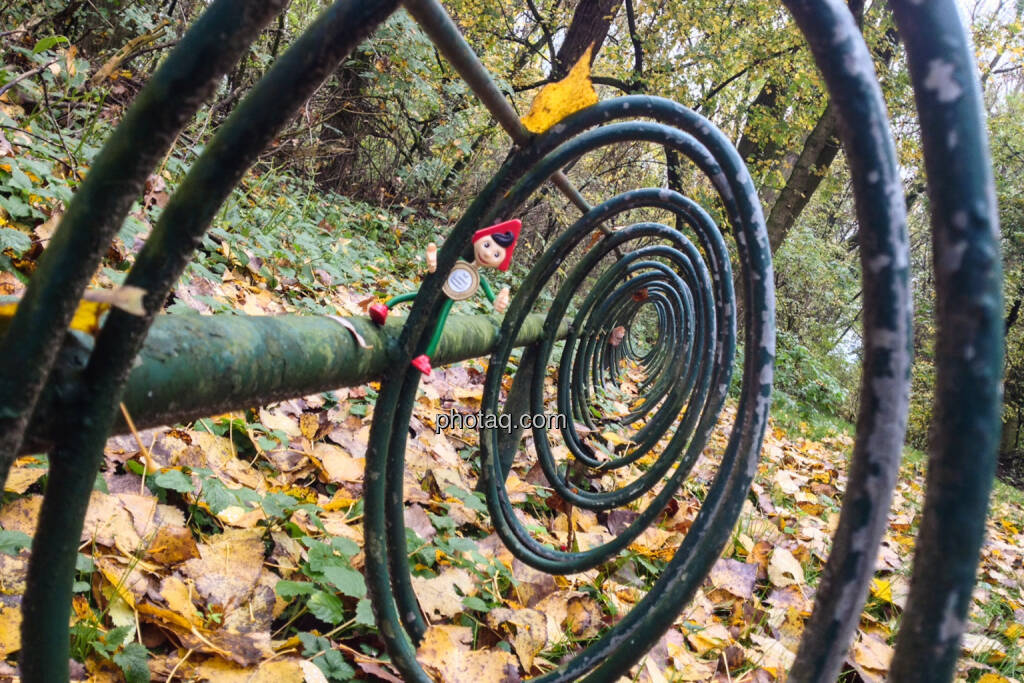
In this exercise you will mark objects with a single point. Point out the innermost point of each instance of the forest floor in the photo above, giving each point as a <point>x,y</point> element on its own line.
<point>231,549</point>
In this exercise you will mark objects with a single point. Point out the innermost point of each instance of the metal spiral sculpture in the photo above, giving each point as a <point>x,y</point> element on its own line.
<point>687,281</point>
<point>689,371</point>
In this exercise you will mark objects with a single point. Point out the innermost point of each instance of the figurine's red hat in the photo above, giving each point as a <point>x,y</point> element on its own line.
<point>513,226</point>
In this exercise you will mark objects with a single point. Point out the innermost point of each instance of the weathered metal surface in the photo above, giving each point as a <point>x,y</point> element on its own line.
<point>695,295</point>
<point>194,366</point>
<point>845,63</point>
<point>967,417</point>
<point>91,405</point>
<point>681,278</point>
<point>116,177</point>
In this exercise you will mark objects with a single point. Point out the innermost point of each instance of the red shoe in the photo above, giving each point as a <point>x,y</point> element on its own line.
<point>379,313</point>
<point>422,363</point>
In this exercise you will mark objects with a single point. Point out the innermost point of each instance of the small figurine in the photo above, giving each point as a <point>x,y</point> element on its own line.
<point>492,248</point>
<point>618,333</point>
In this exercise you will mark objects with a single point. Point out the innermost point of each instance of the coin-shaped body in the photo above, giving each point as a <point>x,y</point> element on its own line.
<point>462,282</point>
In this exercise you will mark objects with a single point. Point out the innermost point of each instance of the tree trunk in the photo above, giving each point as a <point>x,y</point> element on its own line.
<point>820,149</point>
<point>590,23</point>
<point>342,128</point>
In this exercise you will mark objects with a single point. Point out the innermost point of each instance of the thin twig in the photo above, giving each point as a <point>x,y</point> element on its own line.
<point>28,74</point>
<point>149,463</point>
<point>58,128</point>
<point>176,666</point>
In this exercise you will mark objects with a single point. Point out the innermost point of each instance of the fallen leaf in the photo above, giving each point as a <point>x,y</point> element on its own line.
<point>712,637</point>
<point>738,578</point>
<point>784,569</point>
<point>23,474</point>
<point>558,100</point>
<point>893,589</point>
<point>438,596</point>
<point>338,466</point>
<point>228,566</point>
<point>275,671</point>
<point>528,630</point>
<point>983,647</point>
<point>445,654</point>
<point>870,657</point>
<point>10,629</point>
<point>172,545</point>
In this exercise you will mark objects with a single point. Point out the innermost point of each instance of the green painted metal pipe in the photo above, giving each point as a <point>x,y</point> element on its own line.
<point>194,366</point>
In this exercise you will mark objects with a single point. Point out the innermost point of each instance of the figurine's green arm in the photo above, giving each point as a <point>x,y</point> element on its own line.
<point>400,299</point>
<point>488,292</point>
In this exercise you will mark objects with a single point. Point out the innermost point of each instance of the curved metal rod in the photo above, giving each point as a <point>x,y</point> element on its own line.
<point>843,58</point>
<point>388,573</point>
<point>97,210</point>
<point>967,418</point>
<point>78,453</point>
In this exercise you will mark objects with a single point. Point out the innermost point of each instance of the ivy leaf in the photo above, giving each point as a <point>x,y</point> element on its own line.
<point>175,480</point>
<point>347,580</point>
<point>12,542</point>
<point>291,589</point>
<point>326,607</point>
<point>133,663</point>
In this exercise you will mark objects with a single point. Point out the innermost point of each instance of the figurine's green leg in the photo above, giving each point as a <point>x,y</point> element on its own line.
<point>439,327</point>
<point>400,299</point>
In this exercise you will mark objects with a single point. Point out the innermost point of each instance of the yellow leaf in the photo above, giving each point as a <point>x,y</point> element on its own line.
<point>993,678</point>
<point>10,634</point>
<point>614,439</point>
<point>92,307</point>
<point>555,101</point>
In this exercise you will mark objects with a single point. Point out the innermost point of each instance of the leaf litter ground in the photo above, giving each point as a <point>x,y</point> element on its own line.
<point>231,550</point>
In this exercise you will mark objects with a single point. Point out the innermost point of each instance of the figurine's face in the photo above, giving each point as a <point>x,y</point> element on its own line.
<point>488,252</point>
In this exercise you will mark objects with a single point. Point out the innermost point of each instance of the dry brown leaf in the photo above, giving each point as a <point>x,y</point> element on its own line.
<point>275,671</point>
<point>338,466</point>
<point>445,654</point>
<point>21,514</point>
<point>870,658</point>
<point>309,425</point>
<point>312,672</point>
<point>277,422</point>
<point>713,637</point>
<point>770,654</point>
<point>686,665</point>
<point>228,567</point>
<point>438,596</point>
<point>172,545</point>
<point>109,524</point>
<point>527,628</point>
<point>179,600</point>
<point>533,585</point>
<point>23,474</point>
<point>784,569</point>
<point>738,578</point>
<point>983,648</point>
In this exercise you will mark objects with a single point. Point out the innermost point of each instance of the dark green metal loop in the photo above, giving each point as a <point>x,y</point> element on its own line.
<point>692,295</point>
